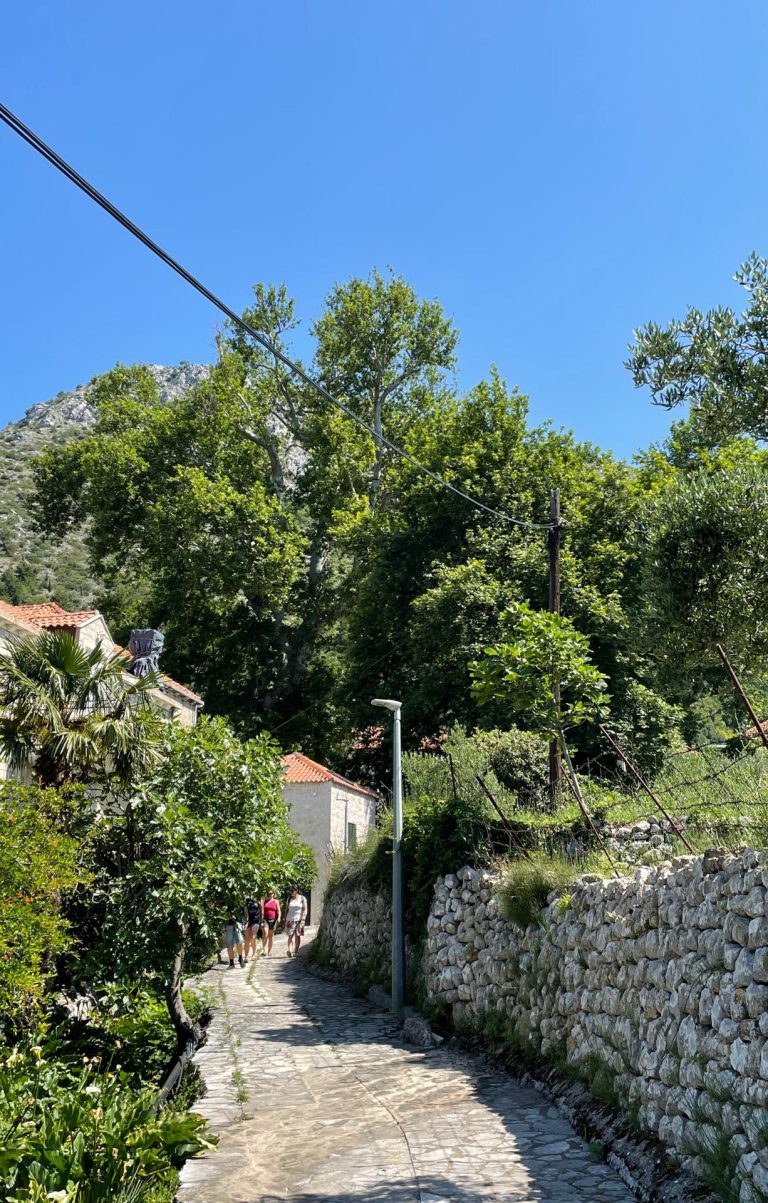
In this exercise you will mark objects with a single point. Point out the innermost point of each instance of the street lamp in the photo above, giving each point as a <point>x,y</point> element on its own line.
<point>398,938</point>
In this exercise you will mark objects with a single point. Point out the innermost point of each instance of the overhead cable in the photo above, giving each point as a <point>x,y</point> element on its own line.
<point>30,137</point>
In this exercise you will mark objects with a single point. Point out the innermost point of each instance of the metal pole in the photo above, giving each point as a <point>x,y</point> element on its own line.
<point>398,935</point>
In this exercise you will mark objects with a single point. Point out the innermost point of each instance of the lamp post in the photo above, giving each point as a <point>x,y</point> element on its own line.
<point>398,938</point>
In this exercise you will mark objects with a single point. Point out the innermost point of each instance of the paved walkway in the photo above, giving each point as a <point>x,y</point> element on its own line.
<point>314,1098</point>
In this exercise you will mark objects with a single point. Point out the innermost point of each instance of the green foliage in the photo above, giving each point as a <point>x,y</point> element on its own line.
<point>518,760</point>
<point>714,361</point>
<point>70,1129</point>
<point>719,1159</point>
<point>128,1027</point>
<point>512,763</point>
<point>439,834</point>
<point>540,650</point>
<point>526,885</point>
<point>207,828</point>
<point>705,568</point>
<point>39,864</point>
<point>70,714</point>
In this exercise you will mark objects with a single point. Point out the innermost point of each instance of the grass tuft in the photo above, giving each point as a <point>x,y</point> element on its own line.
<point>526,886</point>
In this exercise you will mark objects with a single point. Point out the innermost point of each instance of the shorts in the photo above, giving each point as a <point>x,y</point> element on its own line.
<point>233,934</point>
<point>271,924</point>
<point>258,930</point>
<point>294,925</point>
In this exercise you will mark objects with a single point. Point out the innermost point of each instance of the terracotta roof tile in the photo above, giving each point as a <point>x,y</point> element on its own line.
<point>50,615</point>
<point>13,612</point>
<point>300,770</point>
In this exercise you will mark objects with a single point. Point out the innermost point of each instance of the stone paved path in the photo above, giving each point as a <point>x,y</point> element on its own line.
<point>314,1098</point>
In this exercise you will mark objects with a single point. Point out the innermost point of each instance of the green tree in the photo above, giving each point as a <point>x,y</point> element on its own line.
<point>705,569</point>
<point>381,348</point>
<point>540,652</point>
<point>207,828</point>
<point>39,865</point>
<point>225,516</point>
<point>717,362</point>
<point>71,713</point>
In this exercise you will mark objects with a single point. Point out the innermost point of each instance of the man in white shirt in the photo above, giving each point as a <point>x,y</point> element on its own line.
<point>295,918</point>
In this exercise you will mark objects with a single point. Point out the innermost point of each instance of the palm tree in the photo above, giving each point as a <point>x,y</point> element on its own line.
<point>71,714</point>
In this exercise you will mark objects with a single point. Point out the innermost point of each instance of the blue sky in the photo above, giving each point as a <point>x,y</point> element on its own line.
<point>556,173</point>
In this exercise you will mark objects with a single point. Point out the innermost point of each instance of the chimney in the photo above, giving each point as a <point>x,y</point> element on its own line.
<point>145,648</point>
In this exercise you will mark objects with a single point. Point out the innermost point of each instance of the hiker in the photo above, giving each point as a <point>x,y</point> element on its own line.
<point>255,928</point>
<point>271,912</point>
<point>295,918</point>
<point>233,936</point>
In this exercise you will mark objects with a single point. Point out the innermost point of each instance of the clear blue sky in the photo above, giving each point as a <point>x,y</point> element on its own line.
<point>556,173</point>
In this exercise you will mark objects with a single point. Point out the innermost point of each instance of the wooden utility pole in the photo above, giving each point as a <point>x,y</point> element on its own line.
<point>555,763</point>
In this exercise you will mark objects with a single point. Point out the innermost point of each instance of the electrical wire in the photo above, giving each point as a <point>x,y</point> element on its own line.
<point>32,139</point>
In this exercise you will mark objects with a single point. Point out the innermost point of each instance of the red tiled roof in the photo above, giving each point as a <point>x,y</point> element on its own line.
<point>300,770</point>
<point>50,615</point>
<point>13,612</point>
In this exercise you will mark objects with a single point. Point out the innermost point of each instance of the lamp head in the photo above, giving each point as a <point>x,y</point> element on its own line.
<point>386,703</point>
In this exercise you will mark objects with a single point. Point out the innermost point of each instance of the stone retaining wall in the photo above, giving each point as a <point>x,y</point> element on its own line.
<point>659,982</point>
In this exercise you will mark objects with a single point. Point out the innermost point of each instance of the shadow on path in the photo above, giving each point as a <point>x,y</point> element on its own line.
<point>315,1097</point>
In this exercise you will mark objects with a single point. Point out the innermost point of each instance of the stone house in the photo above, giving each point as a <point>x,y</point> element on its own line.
<point>328,812</point>
<point>89,627</point>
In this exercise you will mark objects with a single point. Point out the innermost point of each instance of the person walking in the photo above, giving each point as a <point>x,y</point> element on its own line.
<point>255,928</point>
<point>234,938</point>
<point>295,918</point>
<point>271,912</point>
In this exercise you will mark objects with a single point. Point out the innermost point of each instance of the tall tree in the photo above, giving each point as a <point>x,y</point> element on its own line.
<point>717,362</point>
<point>226,516</point>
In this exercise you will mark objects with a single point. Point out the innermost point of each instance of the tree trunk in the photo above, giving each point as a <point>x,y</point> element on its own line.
<point>377,466</point>
<point>185,1028</point>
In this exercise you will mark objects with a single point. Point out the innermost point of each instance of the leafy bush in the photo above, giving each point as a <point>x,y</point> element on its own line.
<point>519,761</point>
<point>129,1026</point>
<point>526,885</point>
<point>513,763</point>
<point>38,864</point>
<point>85,1134</point>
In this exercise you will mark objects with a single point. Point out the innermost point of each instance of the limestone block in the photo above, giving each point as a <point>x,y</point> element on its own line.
<point>756,999</point>
<point>744,969</point>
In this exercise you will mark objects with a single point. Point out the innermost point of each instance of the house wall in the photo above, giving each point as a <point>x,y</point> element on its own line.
<point>319,814</point>
<point>310,818</point>
<point>349,806</point>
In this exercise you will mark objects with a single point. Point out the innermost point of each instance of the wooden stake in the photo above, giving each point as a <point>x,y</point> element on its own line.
<point>742,694</point>
<point>504,819</point>
<point>644,785</point>
<point>574,781</point>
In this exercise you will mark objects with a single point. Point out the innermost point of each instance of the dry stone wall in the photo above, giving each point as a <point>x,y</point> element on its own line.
<point>659,981</point>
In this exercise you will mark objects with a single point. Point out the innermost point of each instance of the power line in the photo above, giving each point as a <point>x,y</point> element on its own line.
<point>74,177</point>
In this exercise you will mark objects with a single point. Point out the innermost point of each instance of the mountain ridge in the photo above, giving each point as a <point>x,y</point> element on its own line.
<point>34,568</point>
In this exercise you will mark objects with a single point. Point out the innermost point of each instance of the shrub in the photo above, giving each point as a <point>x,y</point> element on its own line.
<point>526,885</point>
<point>514,763</point>
<point>39,863</point>
<point>87,1135</point>
<point>129,1026</point>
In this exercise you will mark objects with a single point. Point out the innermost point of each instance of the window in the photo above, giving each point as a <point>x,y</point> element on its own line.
<point>351,836</point>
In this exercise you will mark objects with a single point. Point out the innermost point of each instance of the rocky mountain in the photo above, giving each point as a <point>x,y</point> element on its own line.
<point>33,568</point>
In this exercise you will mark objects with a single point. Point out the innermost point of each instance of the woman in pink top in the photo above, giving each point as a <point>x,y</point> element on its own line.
<point>271,918</point>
